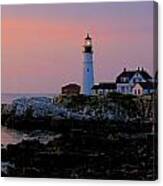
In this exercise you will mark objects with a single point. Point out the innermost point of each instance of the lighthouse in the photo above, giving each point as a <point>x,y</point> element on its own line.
<point>88,72</point>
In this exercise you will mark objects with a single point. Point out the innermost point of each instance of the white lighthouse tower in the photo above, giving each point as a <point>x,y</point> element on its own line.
<point>88,74</point>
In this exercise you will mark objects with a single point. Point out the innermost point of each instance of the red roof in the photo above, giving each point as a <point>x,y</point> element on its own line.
<point>71,86</point>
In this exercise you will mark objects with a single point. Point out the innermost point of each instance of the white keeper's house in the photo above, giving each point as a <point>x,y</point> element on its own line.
<point>126,80</point>
<point>136,82</point>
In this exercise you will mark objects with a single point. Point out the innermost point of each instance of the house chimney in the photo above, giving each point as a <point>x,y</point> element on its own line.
<point>138,68</point>
<point>124,70</point>
<point>142,69</point>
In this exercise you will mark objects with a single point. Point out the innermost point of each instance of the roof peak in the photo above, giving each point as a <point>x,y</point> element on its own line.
<point>136,70</point>
<point>88,36</point>
<point>130,73</point>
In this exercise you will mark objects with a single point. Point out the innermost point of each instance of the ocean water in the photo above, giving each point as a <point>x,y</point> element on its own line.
<point>9,97</point>
<point>11,136</point>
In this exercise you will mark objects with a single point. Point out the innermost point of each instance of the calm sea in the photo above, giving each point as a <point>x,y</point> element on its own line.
<point>9,97</point>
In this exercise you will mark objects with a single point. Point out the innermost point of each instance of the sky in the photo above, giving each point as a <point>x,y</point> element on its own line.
<point>42,44</point>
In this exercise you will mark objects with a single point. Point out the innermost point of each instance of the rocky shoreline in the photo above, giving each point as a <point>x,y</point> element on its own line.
<point>92,151</point>
<point>99,147</point>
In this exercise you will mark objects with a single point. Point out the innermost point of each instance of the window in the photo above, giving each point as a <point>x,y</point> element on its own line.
<point>100,92</point>
<point>139,91</point>
<point>87,69</point>
<point>138,80</point>
<point>135,91</point>
<point>122,89</point>
<point>124,79</point>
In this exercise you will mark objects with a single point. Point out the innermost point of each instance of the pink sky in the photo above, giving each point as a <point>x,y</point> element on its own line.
<point>42,44</point>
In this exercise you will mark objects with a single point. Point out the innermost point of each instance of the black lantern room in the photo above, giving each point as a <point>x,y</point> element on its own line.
<point>87,44</point>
